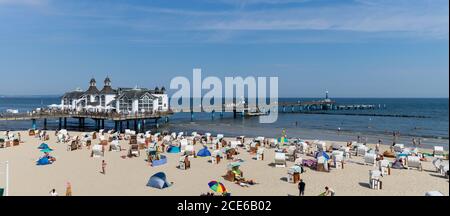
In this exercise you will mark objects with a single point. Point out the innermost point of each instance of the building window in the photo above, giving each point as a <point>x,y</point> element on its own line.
<point>145,104</point>
<point>160,101</point>
<point>125,104</point>
<point>103,101</point>
<point>97,99</point>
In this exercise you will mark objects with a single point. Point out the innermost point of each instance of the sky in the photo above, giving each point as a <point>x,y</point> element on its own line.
<point>352,48</point>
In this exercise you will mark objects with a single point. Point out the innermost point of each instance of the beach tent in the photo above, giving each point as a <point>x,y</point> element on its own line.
<point>43,161</point>
<point>159,180</point>
<point>43,146</point>
<point>204,152</point>
<point>173,149</point>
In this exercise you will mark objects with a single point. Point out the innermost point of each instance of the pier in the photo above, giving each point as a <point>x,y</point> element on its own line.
<point>138,120</point>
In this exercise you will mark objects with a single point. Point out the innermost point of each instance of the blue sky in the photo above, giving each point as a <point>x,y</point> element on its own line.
<point>353,48</point>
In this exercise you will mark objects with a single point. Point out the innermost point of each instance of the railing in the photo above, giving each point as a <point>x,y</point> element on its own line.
<point>83,114</point>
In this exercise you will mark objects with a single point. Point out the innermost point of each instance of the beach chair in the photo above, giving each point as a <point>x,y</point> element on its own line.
<point>189,151</point>
<point>374,179</point>
<point>441,166</point>
<point>361,150</point>
<point>322,164</point>
<point>97,151</point>
<point>260,154</point>
<point>399,147</point>
<point>321,146</point>
<point>134,151</point>
<point>184,163</point>
<point>115,146</point>
<point>438,152</point>
<point>183,144</point>
<point>338,161</point>
<point>336,146</point>
<point>280,159</point>
<point>216,156</point>
<point>384,167</point>
<point>72,146</point>
<point>293,175</point>
<point>235,144</point>
<point>370,159</point>
<point>303,147</point>
<point>291,153</point>
<point>298,161</point>
<point>414,162</point>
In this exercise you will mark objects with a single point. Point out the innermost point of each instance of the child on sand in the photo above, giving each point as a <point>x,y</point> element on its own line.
<point>103,167</point>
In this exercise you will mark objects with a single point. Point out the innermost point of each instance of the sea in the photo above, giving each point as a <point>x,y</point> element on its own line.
<point>424,118</point>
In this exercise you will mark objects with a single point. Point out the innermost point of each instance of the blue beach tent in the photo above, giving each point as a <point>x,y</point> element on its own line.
<point>43,161</point>
<point>173,149</point>
<point>159,180</point>
<point>43,146</point>
<point>204,152</point>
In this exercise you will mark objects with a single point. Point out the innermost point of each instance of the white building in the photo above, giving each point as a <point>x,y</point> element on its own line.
<point>121,100</point>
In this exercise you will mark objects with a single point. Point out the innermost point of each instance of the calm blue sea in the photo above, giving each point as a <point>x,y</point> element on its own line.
<point>425,118</point>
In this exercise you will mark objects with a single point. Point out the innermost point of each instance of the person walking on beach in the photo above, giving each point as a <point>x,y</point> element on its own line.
<point>420,142</point>
<point>68,189</point>
<point>414,141</point>
<point>301,187</point>
<point>329,191</point>
<point>53,193</point>
<point>103,167</point>
<point>359,139</point>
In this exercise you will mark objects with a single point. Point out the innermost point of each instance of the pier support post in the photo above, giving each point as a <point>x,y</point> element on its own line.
<point>65,123</point>
<point>167,119</point>
<point>192,115</point>
<point>45,124</point>
<point>121,126</point>
<point>79,123</point>
<point>221,114</point>
<point>59,123</point>
<point>128,124</point>
<point>212,114</point>
<point>139,126</point>
<point>135,125</point>
<point>33,124</point>
<point>143,125</point>
<point>234,113</point>
<point>116,125</point>
<point>103,124</point>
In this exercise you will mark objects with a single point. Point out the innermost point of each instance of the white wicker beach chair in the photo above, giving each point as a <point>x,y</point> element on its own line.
<point>189,151</point>
<point>291,153</point>
<point>260,154</point>
<point>384,167</point>
<point>115,146</point>
<point>414,162</point>
<point>303,147</point>
<point>97,151</point>
<point>438,152</point>
<point>321,146</point>
<point>361,150</point>
<point>338,160</point>
<point>374,179</point>
<point>370,159</point>
<point>280,159</point>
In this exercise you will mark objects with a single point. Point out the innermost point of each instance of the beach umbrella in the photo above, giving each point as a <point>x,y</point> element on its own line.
<point>47,150</point>
<point>217,187</point>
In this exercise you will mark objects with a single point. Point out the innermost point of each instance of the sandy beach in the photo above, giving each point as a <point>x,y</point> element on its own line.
<point>129,176</point>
